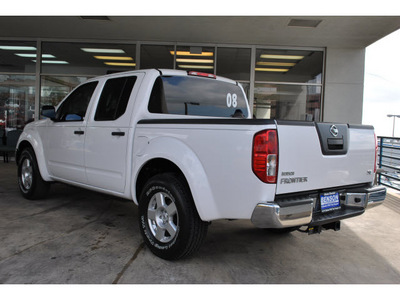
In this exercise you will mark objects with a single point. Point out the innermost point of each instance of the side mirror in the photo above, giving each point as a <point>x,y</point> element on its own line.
<point>48,111</point>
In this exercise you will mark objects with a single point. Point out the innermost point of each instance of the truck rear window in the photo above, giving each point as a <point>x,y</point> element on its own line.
<point>183,95</point>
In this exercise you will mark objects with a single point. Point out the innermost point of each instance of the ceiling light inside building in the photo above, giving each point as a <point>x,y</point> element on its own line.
<point>199,61</point>
<point>188,53</point>
<point>33,55</point>
<point>271,70</point>
<point>282,56</point>
<point>118,64</point>
<point>195,67</point>
<point>113,57</point>
<point>98,50</point>
<point>18,48</point>
<point>275,64</point>
<point>56,62</point>
<point>305,23</point>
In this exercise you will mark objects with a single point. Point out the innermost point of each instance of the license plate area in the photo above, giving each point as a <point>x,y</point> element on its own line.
<point>329,201</point>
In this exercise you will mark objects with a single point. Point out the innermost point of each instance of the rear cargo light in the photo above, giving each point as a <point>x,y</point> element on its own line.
<point>201,74</point>
<point>265,155</point>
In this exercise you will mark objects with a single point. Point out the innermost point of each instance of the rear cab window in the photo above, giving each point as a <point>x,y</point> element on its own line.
<point>196,96</point>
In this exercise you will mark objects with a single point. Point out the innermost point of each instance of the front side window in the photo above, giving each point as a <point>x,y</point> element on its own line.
<point>184,95</point>
<point>114,98</point>
<point>75,106</point>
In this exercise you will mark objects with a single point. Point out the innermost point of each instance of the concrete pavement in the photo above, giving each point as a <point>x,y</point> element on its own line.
<point>78,236</point>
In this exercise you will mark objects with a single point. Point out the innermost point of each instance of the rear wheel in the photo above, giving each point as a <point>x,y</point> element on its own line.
<point>168,219</point>
<point>30,182</point>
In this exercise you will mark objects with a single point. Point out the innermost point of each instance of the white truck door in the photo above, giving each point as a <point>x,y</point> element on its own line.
<point>108,134</point>
<point>65,136</point>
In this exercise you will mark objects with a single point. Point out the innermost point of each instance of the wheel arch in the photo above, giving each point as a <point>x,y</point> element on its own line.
<point>153,167</point>
<point>177,158</point>
<point>21,147</point>
<point>27,141</point>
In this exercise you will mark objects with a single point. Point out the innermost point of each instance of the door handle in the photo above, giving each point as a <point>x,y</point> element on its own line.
<point>79,132</point>
<point>117,133</point>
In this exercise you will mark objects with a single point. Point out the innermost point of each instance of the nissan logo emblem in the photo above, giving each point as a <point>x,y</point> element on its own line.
<point>334,131</point>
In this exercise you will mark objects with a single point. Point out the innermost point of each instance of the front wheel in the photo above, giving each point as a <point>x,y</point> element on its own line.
<point>168,219</point>
<point>30,182</point>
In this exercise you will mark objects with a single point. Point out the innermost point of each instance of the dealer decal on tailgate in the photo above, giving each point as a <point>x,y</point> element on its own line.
<point>329,201</point>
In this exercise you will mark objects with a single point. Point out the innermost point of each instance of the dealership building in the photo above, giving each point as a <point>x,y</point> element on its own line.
<point>291,68</point>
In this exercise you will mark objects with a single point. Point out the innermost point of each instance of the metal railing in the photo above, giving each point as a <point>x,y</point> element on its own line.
<point>389,162</point>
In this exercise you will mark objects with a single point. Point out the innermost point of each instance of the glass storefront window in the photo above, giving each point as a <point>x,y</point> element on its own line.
<point>288,66</point>
<point>287,102</point>
<point>55,88</point>
<point>87,59</point>
<point>234,63</point>
<point>156,56</point>
<point>287,82</point>
<point>246,88</point>
<point>17,101</point>
<point>17,57</point>
<point>195,58</point>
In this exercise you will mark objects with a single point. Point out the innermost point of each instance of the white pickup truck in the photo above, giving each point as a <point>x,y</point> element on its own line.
<point>184,147</point>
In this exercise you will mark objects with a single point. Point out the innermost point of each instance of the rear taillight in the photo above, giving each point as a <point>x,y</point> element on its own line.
<point>265,155</point>
<point>376,152</point>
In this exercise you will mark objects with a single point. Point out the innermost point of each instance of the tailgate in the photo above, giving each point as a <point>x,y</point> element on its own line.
<point>322,155</point>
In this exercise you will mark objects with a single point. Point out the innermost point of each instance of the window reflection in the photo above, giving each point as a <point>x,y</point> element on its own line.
<point>55,88</point>
<point>287,102</point>
<point>66,65</point>
<point>88,59</point>
<point>17,57</point>
<point>234,63</point>
<point>17,101</point>
<point>288,84</point>
<point>156,56</point>
<point>195,58</point>
<point>288,66</point>
<point>246,88</point>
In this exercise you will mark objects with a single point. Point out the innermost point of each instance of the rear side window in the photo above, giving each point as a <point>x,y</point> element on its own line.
<point>196,96</point>
<point>114,98</point>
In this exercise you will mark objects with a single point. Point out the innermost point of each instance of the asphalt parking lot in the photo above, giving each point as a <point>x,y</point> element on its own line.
<point>77,236</point>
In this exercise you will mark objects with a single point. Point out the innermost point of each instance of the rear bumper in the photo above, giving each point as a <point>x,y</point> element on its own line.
<point>303,210</point>
<point>376,196</point>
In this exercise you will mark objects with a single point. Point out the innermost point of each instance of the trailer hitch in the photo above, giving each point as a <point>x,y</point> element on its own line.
<point>318,228</point>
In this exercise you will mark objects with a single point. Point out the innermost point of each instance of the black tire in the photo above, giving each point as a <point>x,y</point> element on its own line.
<point>30,182</point>
<point>168,219</point>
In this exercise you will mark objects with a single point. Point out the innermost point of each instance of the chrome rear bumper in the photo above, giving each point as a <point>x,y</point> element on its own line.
<point>302,211</point>
<point>376,196</point>
<point>271,215</point>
